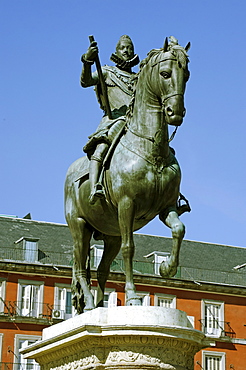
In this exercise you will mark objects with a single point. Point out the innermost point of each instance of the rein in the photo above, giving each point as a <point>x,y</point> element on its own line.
<point>171,95</point>
<point>151,138</point>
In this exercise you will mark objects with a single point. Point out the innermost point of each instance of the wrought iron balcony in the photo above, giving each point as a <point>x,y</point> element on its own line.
<point>217,328</point>
<point>18,366</point>
<point>14,309</point>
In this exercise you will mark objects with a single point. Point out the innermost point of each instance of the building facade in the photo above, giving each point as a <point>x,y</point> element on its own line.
<point>35,277</point>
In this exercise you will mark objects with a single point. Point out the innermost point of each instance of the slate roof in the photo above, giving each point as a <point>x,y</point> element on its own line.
<point>198,260</point>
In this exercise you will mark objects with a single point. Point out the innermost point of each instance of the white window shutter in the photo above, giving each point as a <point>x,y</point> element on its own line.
<point>191,320</point>
<point>62,302</point>
<point>35,306</point>
<point>112,299</point>
<point>56,297</point>
<point>212,315</point>
<point>25,299</point>
<point>146,300</point>
<point>24,344</point>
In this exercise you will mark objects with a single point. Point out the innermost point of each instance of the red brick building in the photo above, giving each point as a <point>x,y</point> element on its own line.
<point>35,278</point>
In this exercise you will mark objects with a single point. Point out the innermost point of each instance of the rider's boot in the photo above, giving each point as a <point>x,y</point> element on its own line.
<point>97,190</point>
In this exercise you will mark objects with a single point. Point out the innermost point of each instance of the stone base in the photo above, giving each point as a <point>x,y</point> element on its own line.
<point>132,337</point>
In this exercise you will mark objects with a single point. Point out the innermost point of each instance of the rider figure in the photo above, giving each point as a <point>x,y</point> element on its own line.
<point>119,82</point>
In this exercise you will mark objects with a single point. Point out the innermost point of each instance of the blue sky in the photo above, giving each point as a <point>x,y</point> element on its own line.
<point>46,116</point>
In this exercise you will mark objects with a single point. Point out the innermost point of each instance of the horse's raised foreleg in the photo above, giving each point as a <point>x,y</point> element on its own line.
<point>169,267</point>
<point>126,219</point>
<point>112,246</point>
<point>81,233</point>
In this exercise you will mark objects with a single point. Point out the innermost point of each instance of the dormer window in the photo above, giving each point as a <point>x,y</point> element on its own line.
<point>97,252</point>
<point>29,248</point>
<point>157,259</point>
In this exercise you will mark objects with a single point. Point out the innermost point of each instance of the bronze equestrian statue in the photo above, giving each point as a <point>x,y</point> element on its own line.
<point>140,176</point>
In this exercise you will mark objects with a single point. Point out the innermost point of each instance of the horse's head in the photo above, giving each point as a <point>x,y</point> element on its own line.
<point>168,78</point>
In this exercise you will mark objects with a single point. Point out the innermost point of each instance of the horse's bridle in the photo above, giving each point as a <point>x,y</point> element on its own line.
<point>163,101</point>
<point>171,95</point>
<point>175,93</point>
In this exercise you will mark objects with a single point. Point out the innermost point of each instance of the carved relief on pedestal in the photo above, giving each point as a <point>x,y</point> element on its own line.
<point>137,352</point>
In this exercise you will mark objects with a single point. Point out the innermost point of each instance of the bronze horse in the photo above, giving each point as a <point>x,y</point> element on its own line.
<point>141,181</point>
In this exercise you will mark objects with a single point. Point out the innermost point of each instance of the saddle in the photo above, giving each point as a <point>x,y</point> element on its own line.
<point>85,170</point>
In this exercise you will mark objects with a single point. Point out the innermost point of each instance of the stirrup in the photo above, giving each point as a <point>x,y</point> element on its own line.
<point>97,193</point>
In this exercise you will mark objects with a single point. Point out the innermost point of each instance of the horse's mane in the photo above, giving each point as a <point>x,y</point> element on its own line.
<point>150,54</point>
<point>135,80</point>
<point>176,50</point>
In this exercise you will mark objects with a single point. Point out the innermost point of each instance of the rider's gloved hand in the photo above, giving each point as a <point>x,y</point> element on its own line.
<point>91,53</point>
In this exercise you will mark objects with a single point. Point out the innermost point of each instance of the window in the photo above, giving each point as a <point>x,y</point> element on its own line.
<point>2,295</point>
<point>63,308</point>
<point>213,360</point>
<point>144,298</point>
<point>22,341</point>
<point>30,248</point>
<point>1,341</point>
<point>30,296</point>
<point>159,257</point>
<point>97,252</point>
<point>110,297</point>
<point>165,300</point>
<point>212,317</point>
<point>29,251</point>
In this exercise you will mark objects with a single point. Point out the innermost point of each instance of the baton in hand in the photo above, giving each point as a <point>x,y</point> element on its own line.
<point>102,83</point>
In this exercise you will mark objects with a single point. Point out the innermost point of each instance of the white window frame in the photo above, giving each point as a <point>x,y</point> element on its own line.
<point>111,294</point>
<point>145,297</point>
<point>167,297</point>
<point>2,294</point>
<point>191,320</point>
<point>1,346</point>
<point>97,254</point>
<point>159,257</point>
<point>30,250</point>
<point>25,363</point>
<point>213,354</point>
<point>23,311</point>
<point>30,255</point>
<point>60,309</point>
<point>216,324</point>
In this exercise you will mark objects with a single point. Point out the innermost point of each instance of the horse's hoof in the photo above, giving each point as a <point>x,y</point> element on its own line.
<point>132,299</point>
<point>133,302</point>
<point>166,271</point>
<point>88,307</point>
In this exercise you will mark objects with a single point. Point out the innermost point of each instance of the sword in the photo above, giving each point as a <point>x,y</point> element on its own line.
<point>102,83</point>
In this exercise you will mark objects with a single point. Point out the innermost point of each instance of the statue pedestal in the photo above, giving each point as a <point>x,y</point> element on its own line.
<point>127,337</point>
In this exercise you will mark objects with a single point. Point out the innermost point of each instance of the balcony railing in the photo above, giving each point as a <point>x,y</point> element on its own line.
<point>14,309</point>
<point>236,278</point>
<point>18,366</point>
<point>217,328</point>
<point>41,257</point>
